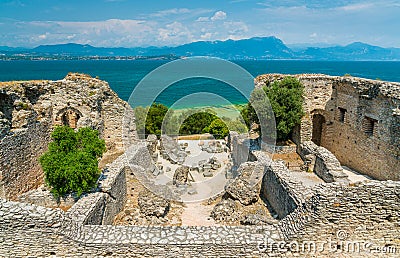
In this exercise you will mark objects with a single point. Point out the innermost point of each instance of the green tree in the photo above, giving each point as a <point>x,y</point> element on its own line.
<point>236,125</point>
<point>217,128</point>
<point>71,163</point>
<point>154,118</point>
<point>286,100</point>
<point>195,123</point>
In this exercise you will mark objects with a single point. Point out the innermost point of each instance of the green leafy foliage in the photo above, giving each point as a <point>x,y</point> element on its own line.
<point>71,163</point>
<point>217,128</point>
<point>154,118</point>
<point>196,123</point>
<point>286,100</point>
<point>157,119</point>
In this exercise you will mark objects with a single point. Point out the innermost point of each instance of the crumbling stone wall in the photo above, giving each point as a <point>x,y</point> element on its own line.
<point>365,212</point>
<point>101,207</point>
<point>282,191</point>
<point>30,109</point>
<point>239,145</point>
<point>322,162</point>
<point>348,107</point>
<point>19,167</point>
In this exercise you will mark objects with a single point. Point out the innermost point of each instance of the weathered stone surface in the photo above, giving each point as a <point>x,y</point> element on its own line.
<point>152,205</point>
<point>323,162</point>
<point>354,118</point>
<point>181,176</point>
<point>224,210</point>
<point>241,191</point>
<point>256,219</point>
<point>152,140</point>
<point>30,109</point>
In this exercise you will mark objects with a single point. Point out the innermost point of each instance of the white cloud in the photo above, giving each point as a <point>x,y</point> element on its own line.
<point>174,33</point>
<point>356,7</point>
<point>168,12</point>
<point>236,30</point>
<point>43,36</point>
<point>220,15</point>
<point>206,36</point>
<point>203,19</point>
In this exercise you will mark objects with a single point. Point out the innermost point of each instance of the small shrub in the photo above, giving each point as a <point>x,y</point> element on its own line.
<point>22,105</point>
<point>71,163</point>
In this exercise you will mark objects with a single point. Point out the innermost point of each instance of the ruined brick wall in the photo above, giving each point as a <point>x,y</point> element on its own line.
<point>345,107</point>
<point>366,211</point>
<point>366,214</point>
<point>25,134</point>
<point>281,190</point>
<point>376,154</point>
<point>30,109</point>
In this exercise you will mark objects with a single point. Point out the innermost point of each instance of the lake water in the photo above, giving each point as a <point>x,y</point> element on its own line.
<point>123,76</point>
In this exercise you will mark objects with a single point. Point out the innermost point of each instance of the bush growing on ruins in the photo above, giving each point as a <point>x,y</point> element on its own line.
<point>196,123</point>
<point>149,120</point>
<point>154,118</point>
<point>71,163</point>
<point>217,128</point>
<point>286,99</point>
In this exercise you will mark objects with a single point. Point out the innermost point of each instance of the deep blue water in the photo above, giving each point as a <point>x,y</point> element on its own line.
<point>123,76</point>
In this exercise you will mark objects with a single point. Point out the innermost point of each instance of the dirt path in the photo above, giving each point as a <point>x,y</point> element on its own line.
<point>197,214</point>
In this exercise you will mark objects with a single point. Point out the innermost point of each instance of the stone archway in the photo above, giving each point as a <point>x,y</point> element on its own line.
<point>68,116</point>
<point>318,121</point>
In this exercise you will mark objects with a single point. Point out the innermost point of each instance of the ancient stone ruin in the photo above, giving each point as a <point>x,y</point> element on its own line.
<point>345,192</point>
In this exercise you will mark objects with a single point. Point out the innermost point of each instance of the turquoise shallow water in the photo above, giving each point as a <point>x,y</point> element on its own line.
<point>123,76</point>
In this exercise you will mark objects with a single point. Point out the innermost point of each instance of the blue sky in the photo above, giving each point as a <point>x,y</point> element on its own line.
<point>125,23</point>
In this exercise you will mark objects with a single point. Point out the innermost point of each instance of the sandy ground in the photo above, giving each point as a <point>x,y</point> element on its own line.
<point>354,176</point>
<point>205,186</point>
<point>197,214</point>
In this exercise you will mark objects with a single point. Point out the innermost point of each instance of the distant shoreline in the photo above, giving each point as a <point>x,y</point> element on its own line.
<point>230,111</point>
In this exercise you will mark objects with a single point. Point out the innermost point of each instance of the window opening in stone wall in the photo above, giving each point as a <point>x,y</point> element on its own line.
<point>368,126</point>
<point>342,114</point>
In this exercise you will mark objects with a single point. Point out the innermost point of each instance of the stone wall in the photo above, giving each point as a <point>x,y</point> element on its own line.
<point>366,211</point>
<point>339,113</point>
<point>101,207</point>
<point>281,190</point>
<point>239,145</point>
<point>19,152</point>
<point>322,162</point>
<point>363,213</point>
<point>30,109</point>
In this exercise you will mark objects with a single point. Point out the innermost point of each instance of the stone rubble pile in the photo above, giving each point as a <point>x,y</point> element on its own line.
<point>322,162</point>
<point>171,150</point>
<point>181,176</point>
<point>212,146</point>
<point>207,167</point>
<point>152,205</point>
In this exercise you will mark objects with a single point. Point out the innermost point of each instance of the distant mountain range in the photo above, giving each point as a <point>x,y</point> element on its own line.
<point>253,48</point>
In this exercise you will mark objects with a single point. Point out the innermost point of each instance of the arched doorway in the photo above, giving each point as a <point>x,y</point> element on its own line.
<point>318,125</point>
<point>68,116</point>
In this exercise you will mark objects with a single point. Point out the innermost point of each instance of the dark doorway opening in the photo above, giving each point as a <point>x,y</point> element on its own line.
<point>318,124</point>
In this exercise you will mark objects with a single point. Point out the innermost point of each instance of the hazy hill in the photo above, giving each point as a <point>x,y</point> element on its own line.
<point>253,48</point>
